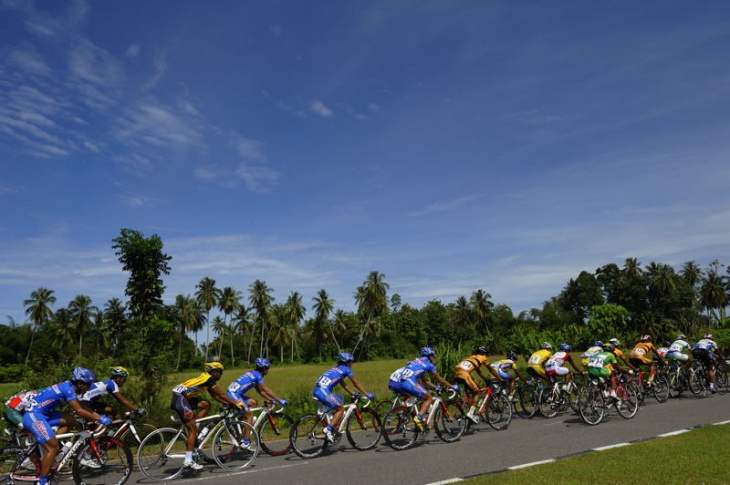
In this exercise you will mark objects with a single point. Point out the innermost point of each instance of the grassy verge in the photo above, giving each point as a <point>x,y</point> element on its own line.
<point>696,457</point>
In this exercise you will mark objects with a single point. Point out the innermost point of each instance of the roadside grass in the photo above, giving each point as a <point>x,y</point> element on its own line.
<point>696,457</point>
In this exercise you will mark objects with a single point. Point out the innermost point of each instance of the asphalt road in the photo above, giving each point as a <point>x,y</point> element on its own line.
<point>484,451</point>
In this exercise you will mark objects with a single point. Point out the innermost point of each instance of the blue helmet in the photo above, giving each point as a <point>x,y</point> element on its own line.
<point>427,352</point>
<point>565,347</point>
<point>82,374</point>
<point>598,343</point>
<point>345,358</point>
<point>262,363</point>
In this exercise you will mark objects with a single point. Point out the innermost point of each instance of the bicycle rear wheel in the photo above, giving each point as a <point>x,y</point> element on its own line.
<point>628,405</point>
<point>274,434</point>
<point>363,429</point>
<point>592,405</point>
<point>498,412</point>
<point>549,401</point>
<point>399,430</point>
<point>307,436</point>
<point>229,450</point>
<point>697,383</point>
<point>13,458</point>
<point>661,388</point>
<point>102,461</point>
<point>721,379</point>
<point>162,453</point>
<point>526,405</point>
<point>450,421</point>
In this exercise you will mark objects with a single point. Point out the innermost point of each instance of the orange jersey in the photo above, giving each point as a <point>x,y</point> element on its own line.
<point>642,350</point>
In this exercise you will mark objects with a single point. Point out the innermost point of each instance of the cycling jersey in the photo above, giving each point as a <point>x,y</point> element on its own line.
<point>240,386</point>
<point>502,367</point>
<point>394,383</point>
<point>601,364</point>
<point>195,385</point>
<point>415,369</point>
<point>677,349</point>
<point>464,369</point>
<point>327,381</point>
<point>16,405</point>
<point>536,361</point>
<point>704,350</point>
<point>555,365</point>
<point>99,389</point>
<point>41,415</point>
<point>586,356</point>
<point>640,352</point>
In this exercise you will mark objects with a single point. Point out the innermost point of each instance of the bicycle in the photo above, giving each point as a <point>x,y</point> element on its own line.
<point>659,387</point>
<point>528,392</point>
<point>94,459</point>
<point>162,453</point>
<point>699,378</point>
<point>493,407</point>
<point>129,432</point>
<point>447,416</point>
<point>678,378</point>
<point>273,427</point>
<point>595,402</point>
<point>360,424</point>
<point>554,399</point>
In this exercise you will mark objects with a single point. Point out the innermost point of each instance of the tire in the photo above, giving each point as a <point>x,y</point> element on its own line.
<point>526,405</point>
<point>592,405</point>
<point>162,453</point>
<point>697,383</point>
<point>113,456</point>
<point>399,430</point>
<point>228,449</point>
<point>274,434</point>
<point>450,421</point>
<point>721,380</point>
<point>307,437</point>
<point>629,402</point>
<point>363,429</point>
<point>549,401</point>
<point>572,396</point>
<point>661,388</point>
<point>10,454</point>
<point>498,412</point>
<point>383,407</point>
<point>130,440</point>
<point>676,383</point>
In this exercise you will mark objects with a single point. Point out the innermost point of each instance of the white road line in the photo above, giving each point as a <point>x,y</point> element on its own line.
<point>444,482</point>
<point>242,472</point>
<point>721,422</point>
<point>674,433</point>
<point>618,445</point>
<point>534,463</point>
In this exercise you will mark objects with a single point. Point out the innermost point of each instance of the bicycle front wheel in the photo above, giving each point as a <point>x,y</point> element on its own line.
<point>450,421</point>
<point>162,453</point>
<point>697,383</point>
<point>132,440</point>
<point>661,388</point>
<point>363,429</point>
<point>592,405</point>
<point>526,405</point>
<point>307,436</point>
<point>498,412</point>
<point>274,434</point>
<point>230,449</point>
<point>628,404</point>
<point>549,401</point>
<point>399,430</point>
<point>102,461</point>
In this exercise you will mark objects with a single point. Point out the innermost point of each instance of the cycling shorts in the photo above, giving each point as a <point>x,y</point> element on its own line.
<point>506,376</point>
<point>536,370</point>
<point>184,406</point>
<point>704,356</point>
<point>331,401</point>
<point>465,380</point>
<point>415,389</point>
<point>677,356</point>
<point>13,417</point>
<point>41,425</point>
<point>557,371</point>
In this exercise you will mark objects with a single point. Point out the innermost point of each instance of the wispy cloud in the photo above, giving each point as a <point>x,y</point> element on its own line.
<point>150,123</point>
<point>443,206</point>
<point>319,108</point>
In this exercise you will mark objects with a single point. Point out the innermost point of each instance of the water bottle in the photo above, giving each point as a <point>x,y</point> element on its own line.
<point>204,432</point>
<point>66,446</point>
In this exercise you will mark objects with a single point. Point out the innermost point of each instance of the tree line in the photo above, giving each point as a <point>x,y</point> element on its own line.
<point>145,334</point>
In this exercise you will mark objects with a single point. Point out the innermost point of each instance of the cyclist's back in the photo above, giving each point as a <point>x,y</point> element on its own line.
<point>537,359</point>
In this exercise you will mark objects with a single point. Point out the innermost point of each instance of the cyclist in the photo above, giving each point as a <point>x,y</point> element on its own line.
<point>417,369</point>
<point>590,352</point>
<point>91,399</point>
<point>327,381</point>
<point>604,365</point>
<point>41,416</point>
<point>462,375</point>
<point>253,379</point>
<point>504,366</point>
<point>620,354</point>
<point>639,356</point>
<point>537,359</point>
<point>680,351</point>
<point>555,365</point>
<point>707,352</point>
<point>394,383</point>
<point>16,405</point>
<point>186,404</point>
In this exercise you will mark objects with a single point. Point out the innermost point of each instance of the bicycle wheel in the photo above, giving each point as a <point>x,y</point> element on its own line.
<point>661,388</point>
<point>162,453</point>
<point>307,436</point>
<point>274,434</point>
<point>592,405</point>
<point>132,441</point>
<point>572,396</point>
<point>498,412</point>
<point>676,383</point>
<point>27,470</point>
<point>382,407</point>
<point>229,449</point>
<point>526,405</point>
<point>399,430</point>
<point>628,404</point>
<point>102,461</point>
<point>363,429</point>
<point>697,383</point>
<point>549,401</point>
<point>450,421</point>
<point>721,379</point>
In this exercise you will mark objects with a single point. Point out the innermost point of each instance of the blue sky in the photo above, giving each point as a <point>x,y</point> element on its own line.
<point>451,146</point>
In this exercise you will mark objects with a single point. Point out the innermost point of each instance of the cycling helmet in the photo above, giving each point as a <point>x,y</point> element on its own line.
<point>82,374</point>
<point>646,338</point>
<point>427,352</point>
<point>616,342</point>
<point>598,343</point>
<point>262,363</point>
<point>710,336</point>
<point>213,366</point>
<point>546,345</point>
<point>512,355</point>
<point>481,350</point>
<point>609,347</point>
<point>119,371</point>
<point>565,347</point>
<point>345,358</point>
<point>681,336</point>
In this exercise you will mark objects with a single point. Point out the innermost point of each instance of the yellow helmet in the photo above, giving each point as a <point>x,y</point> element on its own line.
<point>119,371</point>
<point>211,366</point>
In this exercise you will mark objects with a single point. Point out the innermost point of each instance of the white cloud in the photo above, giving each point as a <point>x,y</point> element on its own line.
<point>133,50</point>
<point>318,107</point>
<point>29,61</point>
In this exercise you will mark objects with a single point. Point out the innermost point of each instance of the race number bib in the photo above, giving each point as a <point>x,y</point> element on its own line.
<point>466,365</point>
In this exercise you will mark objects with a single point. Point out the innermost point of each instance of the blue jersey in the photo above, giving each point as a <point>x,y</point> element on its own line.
<point>416,368</point>
<point>99,389</point>
<point>240,386</point>
<point>332,377</point>
<point>52,397</point>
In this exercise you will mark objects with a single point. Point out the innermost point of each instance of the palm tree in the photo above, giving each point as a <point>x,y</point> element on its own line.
<point>294,313</point>
<point>261,300</point>
<point>691,272</point>
<point>207,297</point>
<point>114,323</point>
<point>372,302</point>
<point>280,334</point>
<point>229,302</point>
<point>38,311</point>
<point>713,291</point>
<point>481,306</point>
<point>221,330</point>
<point>632,268</point>
<point>62,327</point>
<point>82,310</point>
<point>242,324</point>
<point>188,318</point>
<point>323,306</point>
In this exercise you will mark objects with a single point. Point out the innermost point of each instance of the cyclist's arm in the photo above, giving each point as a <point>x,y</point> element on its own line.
<point>124,401</point>
<point>266,393</point>
<point>222,397</point>
<point>357,385</point>
<point>575,368</point>
<point>491,371</point>
<point>441,379</point>
<point>83,412</point>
